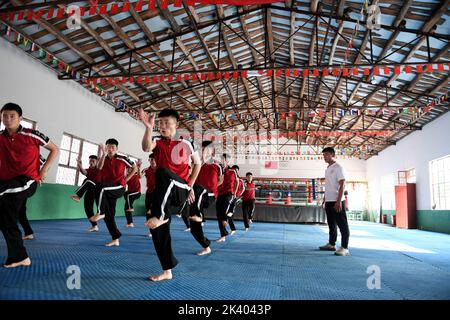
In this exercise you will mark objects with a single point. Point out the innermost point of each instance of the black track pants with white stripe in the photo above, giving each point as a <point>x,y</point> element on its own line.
<point>248,207</point>
<point>130,198</point>
<point>12,196</point>
<point>106,198</point>
<point>169,196</point>
<point>222,208</point>
<point>87,189</point>
<point>203,199</point>
<point>23,219</point>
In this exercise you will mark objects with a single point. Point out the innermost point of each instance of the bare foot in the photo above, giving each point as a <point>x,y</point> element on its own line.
<point>24,263</point>
<point>97,217</point>
<point>154,223</point>
<point>114,243</point>
<point>221,239</point>
<point>232,232</point>
<point>196,218</point>
<point>130,225</point>
<point>204,251</point>
<point>93,229</point>
<point>166,275</point>
<point>28,237</point>
<point>75,198</point>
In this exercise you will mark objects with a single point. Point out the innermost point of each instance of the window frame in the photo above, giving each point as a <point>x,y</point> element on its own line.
<point>439,198</point>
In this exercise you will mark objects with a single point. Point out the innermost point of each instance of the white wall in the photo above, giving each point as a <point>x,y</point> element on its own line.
<point>414,151</point>
<point>62,106</point>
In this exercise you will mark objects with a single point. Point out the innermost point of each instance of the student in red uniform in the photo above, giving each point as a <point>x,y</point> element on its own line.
<point>28,233</point>
<point>227,191</point>
<point>111,186</point>
<point>149,173</point>
<point>238,198</point>
<point>248,200</point>
<point>132,194</point>
<point>20,173</point>
<point>87,188</point>
<point>206,190</point>
<point>173,182</point>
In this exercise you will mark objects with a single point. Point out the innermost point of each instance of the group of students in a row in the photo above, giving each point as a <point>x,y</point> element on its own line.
<point>177,177</point>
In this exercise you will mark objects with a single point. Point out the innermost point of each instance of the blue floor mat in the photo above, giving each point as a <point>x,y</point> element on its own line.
<point>269,262</point>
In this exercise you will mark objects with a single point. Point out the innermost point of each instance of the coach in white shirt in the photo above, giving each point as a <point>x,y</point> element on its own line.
<point>334,204</point>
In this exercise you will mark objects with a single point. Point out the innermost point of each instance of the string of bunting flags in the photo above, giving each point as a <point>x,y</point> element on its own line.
<point>256,137</point>
<point>387,70</point>
<point>116,7</point>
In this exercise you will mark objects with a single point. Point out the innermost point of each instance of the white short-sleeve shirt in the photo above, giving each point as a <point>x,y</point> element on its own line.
<point>333,174</point>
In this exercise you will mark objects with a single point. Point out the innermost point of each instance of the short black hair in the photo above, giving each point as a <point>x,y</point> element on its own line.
<point>225,156</point>
<point>112,141</point>
<point>169,113</point>
<point>330,150</point>
<point>248,174</point>
<point>206,143</point>
<point>12,107</point>
<point>235,167</point>
<point>93,156</point>
<point>151,156</point>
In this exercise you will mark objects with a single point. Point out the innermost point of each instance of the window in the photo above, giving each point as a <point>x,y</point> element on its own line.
<point>26,123</point>
<point>411,176</point>
<point>440,183</point>
<point>73,148</point>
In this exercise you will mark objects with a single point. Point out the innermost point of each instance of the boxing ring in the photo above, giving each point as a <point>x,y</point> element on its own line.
<point>279,213</point>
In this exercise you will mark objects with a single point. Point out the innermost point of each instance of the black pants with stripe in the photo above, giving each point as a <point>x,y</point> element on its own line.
<point>130,198</point>
<point>170,194</point>
<point>338,219</point>
<point>203,199</point>
<point>13,193</point>
<point>87,189</point>
<point>232,209</point>
<point>23,220</point>
<point>247,211</point>
<point>106,198</point>
<point>185,214</point>
<point>222,208</point>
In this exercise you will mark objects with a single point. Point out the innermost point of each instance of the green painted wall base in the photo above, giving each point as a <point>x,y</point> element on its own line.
<point>51,201</point>
<point>434,220</point>
<point>429,220</point>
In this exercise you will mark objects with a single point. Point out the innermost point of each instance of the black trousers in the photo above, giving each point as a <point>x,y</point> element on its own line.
<point>185,214</point>
<point>130,198</point>
<point>87,189</point>
<point>13,193</point>
<point>106,198</point>
<point>148,204</point>
<point>231,210</point>
<point>23,220</point>
<point>222,208</point>
<point>340,219</point>
<point>247,211</point>
<point>170,194</point>
<point>203,199</point>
